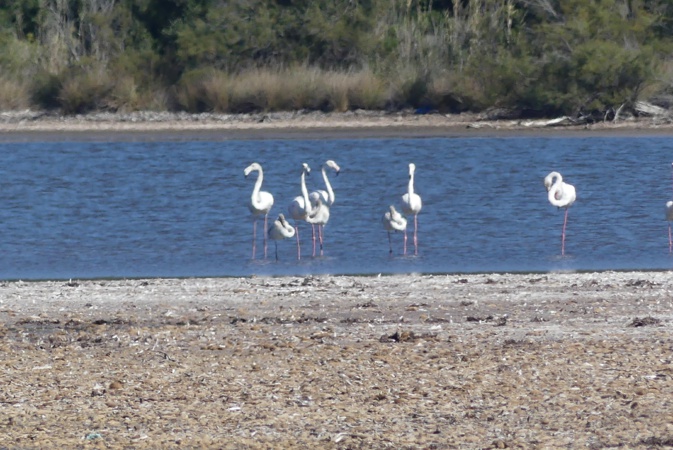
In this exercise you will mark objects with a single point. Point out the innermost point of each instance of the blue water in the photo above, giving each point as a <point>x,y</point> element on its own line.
<point>160,209</point>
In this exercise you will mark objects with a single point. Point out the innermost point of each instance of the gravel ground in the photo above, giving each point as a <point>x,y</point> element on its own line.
<point>555,360</point>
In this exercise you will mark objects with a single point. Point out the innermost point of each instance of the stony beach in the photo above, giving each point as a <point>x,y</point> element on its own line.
<point>541,360</point>
<point>554,360</point>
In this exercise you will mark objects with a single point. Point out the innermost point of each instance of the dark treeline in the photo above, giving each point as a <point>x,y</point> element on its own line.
<point>525,57</point>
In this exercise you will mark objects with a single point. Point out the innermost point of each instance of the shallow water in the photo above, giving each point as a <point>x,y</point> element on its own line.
<point>145,209</point>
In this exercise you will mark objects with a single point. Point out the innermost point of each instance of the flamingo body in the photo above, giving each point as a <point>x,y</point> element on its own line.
<point>280,229</point>
<point>394,221</point>
<point>561,195</point>
<point>260,204</point>
<point>319,215</point>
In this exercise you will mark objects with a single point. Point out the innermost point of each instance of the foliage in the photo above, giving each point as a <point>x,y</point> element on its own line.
<point>539,57</point>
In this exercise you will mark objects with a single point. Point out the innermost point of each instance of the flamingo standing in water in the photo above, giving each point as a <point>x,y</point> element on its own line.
<point>669,217</point>
<point>260,204</point>
<point>394,221</point>
<point>412,204</point>
<point>280,230</point>
<point>315,213</point>
<point>326,198</point>
<point>319,215</point>
<point>561,195</point>
<point>298,209</point>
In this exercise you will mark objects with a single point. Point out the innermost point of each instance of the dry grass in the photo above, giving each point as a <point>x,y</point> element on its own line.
<point>85,92</point>
<point>14,95</point>
<point>280,89</point>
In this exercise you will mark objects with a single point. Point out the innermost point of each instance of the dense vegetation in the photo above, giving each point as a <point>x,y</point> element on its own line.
<point>532,57</point>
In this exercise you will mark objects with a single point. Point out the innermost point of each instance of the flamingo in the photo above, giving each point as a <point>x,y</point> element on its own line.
<point>315,214</point>
<point>319,215</point>
<point>394,221</point>
<point>260,203</point>
<point>412,204</point>
<point>298,210</point>
<point>669,217</point>
<point>561,195</point>
<point>326,197</point>
<point>280,230</point>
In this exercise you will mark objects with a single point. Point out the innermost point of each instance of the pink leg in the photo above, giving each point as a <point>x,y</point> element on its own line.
<point>254,235</point>
<point>563,233</point>
<point>296,232</point>
<point>265,233</point>
<point>670,239</point>
<point>390,243</point>
<point>416,234</point>
<point>313,236</point>
<point>405,242</point>
<point>320,231</point>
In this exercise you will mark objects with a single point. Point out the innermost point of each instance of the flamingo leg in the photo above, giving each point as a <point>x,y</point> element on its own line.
<point>296,232</point>
<point>254,235</point>
<point>320,231</point>
<point>266,216</point>
<point>313,236</point>
<point>276,242</point>
<point>405,242</point>
<point>563,233</point>
<point>670,239</point>
<point>416,234</point>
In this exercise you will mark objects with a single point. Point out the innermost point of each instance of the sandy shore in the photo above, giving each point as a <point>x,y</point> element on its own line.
<point>40,126</point>
<point>404,361</point>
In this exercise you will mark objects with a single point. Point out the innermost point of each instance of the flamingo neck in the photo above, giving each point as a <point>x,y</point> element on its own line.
<point>304,193</point>
<point>258,185</point>
<point>330,192</point>
<point>556,188</point>
<point>410,189</point>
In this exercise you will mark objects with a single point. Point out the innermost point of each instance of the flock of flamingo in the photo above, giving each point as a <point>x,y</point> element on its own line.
<point>315,210</point>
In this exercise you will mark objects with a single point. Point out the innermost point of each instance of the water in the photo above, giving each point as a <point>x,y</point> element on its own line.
<point>164,209</point>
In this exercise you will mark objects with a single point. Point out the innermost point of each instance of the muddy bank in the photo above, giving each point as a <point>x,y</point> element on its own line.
<point>29,126</point>
<point>403,361</point>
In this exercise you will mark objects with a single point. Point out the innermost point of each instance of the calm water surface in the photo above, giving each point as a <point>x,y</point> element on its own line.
<point>145,209</point>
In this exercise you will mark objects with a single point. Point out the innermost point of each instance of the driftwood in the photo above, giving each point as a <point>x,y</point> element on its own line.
<point>559,121</point>
<point>648,109</point>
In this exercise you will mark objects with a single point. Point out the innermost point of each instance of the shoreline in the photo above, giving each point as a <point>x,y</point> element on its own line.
<point>29,126</point>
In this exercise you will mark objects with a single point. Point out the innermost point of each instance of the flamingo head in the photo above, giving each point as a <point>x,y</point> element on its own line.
<point>334,166</point>
<point>305,168</point>
<point>251,168</point>
<point>412,169</point>
<point>550,179</point>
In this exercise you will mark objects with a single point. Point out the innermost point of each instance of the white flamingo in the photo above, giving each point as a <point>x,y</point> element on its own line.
<point>297,208</point>
<point>280,230</point>
<point>327,196</point>
<point>669,217</point>
<point>412,204</point>
<point>260,204</point>
<point>319,215</point>
<point>561,195</point>
<point>394,221</point>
